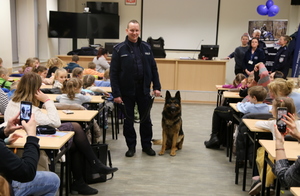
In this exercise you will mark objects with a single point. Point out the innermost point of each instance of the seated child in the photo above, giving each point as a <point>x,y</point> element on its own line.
<point>106,80</point>
<point>73,64</point>
<point>71,93</point>
<point>257,96</point>
<point>269,125</point>
<point>88,86</point>
<point>60,76</point>
<point>77,73</point>
<point>5,84</point>
<point>237,82</point>
<point>30,63</point>
<point>53,64</point>
<point>92,70</point>
<point>42,71</point>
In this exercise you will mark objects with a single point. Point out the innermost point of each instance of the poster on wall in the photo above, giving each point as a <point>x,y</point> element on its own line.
<point>271,30</point>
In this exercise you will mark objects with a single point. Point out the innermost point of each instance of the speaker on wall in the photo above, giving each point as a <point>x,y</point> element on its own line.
<point>295,2</point>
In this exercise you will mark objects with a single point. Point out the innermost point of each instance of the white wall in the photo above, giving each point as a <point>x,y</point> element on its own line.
<point>5,38</point>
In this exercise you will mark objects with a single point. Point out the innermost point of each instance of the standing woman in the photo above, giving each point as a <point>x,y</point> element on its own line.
<point>239,54</point>
<point>253,56</point>
<point>100,60</point>
<point>281,62</point>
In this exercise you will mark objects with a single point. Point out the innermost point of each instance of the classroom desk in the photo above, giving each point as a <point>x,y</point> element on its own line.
<point>220,90</point>
<point>292,150</point>
<point>250,123</point>
<point>234,95</point>
<point>51,145</point>
<point>12,79</point>
<point>78,116</point>
<point>95,99</point>
<point>295,191</point>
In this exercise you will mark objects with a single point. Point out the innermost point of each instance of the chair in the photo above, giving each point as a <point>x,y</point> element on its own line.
<point>242,146</point>
<point>157,46</point>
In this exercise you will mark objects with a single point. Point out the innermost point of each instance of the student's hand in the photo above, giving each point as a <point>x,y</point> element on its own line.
<point>156,93</point>
<point>118,100</point>
<point>247,72</point>
<point>227,58</point>
<point>291,125</point>
<point>14,138</point>
<point>106,94</point>
<point>12,125</point>
<point>30,126</point>
<point>41,96</point>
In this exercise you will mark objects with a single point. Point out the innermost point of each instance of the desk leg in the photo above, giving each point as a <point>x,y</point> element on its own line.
<point>103,122</point>
<point>263,185</point>
<point>245,162</point>
<point>51,157</point>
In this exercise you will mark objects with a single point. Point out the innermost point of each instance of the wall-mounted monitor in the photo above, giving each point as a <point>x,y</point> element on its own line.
<point>83,25</point>
<point>207,52</point>
<point>67,25</point>
<point>103,7</point>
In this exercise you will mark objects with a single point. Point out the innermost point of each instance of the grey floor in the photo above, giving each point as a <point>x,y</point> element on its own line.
<point>195,170</point>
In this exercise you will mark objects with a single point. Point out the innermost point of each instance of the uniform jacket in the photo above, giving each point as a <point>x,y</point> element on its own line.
<point>122,66</point>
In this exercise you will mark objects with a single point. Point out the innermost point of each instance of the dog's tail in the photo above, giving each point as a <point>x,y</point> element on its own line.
<point>156,141</point>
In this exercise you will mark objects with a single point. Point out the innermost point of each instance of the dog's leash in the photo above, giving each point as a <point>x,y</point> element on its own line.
<point>144,117</point>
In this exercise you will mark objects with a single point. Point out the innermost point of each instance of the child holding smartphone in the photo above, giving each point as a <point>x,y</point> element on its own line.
<point>277,104</point>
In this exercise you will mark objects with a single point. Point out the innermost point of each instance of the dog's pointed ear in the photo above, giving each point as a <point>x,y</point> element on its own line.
<point>177,95</point>
<point>168,95</point>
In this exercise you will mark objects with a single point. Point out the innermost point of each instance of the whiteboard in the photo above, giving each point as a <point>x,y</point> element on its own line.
<point>182,23</point>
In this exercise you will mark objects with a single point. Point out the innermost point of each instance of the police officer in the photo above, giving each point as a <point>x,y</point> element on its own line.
<point>281,61</point>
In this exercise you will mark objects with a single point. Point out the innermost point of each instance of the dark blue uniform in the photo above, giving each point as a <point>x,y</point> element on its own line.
<point>250,60</point>
<point>281,61</point>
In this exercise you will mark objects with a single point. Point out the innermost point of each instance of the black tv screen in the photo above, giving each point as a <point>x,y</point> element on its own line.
<point>67,25</point>
<point>83,25</point>
<point>103,26</point>
<point>207,52</point>
<point>103,7</point>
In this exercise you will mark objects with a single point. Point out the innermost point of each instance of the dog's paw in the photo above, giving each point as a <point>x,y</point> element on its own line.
<point>161,153</point>
<point>173,154</point>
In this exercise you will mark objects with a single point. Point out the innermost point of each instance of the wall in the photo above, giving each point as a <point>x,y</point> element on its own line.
<point>5,38</point>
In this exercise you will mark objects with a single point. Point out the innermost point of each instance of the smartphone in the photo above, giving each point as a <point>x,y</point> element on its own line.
<point>25,111</point>
<point>281,125</point>
<point>68,112</point>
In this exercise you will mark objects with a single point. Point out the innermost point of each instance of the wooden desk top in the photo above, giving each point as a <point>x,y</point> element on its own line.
<point>95,99</point>
<point>233,105</point>
<point>219,87</point>
<point>55,142</point>
<point>228,94</point>
<point>295,191</point>
<point>78,116</point>
<point>292,149</point>
<point>12,79</point>
<point>250,123</point>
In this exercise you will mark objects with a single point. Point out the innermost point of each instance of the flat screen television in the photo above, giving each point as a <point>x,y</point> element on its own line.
<point>103,7</point>
<point>103,26</point>
<point>207,52</point>
<point>109,46</point>
<point>83,25</point>
<point>67,25</point>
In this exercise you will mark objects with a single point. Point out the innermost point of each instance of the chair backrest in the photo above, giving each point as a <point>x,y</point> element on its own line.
<point>157,46</point>
<point>262,116</point>
<point>65,106</point>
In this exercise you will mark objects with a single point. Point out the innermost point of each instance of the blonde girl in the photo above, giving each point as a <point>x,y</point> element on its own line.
<point>59,77</point>
<point>53,64</point>
<point>237,82</point>
<point>71,93</point>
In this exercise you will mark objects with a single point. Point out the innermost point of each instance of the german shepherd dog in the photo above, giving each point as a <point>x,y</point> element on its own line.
<point>172,134</point>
